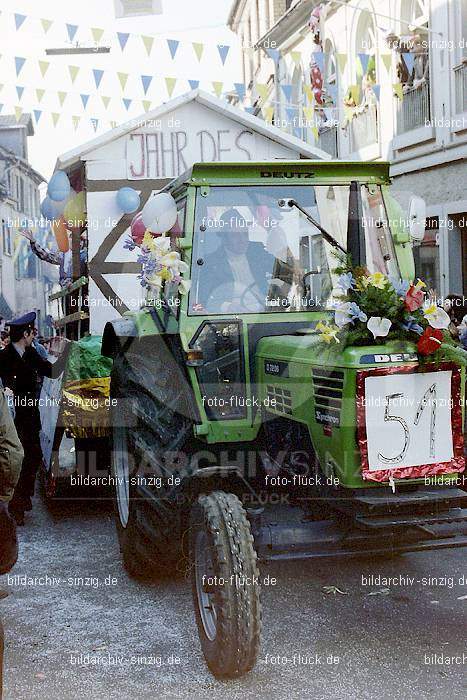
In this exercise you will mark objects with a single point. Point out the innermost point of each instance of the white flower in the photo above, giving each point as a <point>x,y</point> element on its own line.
<point>436,316</point>
<point>342,315</point>
<point>379,326</point>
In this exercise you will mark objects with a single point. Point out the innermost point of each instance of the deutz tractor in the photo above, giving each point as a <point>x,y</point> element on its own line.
<point>236,439</point>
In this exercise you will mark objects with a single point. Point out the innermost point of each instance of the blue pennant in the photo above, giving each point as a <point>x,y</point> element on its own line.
<point>250,110</point>
<point>72,29</point>
<point>122,38</point>
<point>291,112</point>
<point>318,58</point>
<point>409,59</point>
<point>364,58</point>
<point>19,19</point>
<point>97,76</point>
<point>19,91</point>
<point>19,63</point>
<point>287,90</point>
<point>173,45</point>
<point>146,80</point>
<point>297,132</point>
<point>37,114</point>
<point>194,84</point>
<point>274,54</point>
<point>84,100</point>
<point>223,51</point>
<point>240,90</point>
<point>377,90</point>
<point>95,123</point>
<point>127,103</point>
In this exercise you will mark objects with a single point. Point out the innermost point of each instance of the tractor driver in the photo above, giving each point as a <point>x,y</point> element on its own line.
<point>235,278</point>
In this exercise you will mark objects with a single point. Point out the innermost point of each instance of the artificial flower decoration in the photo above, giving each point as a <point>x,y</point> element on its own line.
<point>436,316</point>
<point>415,296</point>
<point>327,332</point>
<point>378,280</point>
<point>430,341</point>
<point>346,281</point>
<point>379,326</point>
<point>159,263</point>
<point>400,286</point>
<point>348,312</point>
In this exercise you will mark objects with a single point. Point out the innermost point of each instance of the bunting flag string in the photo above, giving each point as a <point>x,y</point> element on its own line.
<point>223,51</point>
<point>170,84</point>
<point>19,63</point>
<point>198,49</point>
<point>98,74</point>
<point>19,20</point>
<point>148,42</point>
<point>194,84</point>
<point>46,24</point>
<point>146,80</point>
<point>217,86</point>
<point>72,29</point>
<point>44,67</point>
<point>387,61</point>
<point>122,39</point>
<point>173,45</point>
<point>364,59</point>
<point>409,60</point>
<point>61,97</point>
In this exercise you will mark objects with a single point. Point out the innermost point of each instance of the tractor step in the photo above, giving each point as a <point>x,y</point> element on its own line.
<point>455,515</point>
<point>382,501</point>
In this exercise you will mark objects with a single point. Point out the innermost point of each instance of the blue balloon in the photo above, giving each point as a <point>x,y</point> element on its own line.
<point>48,209</point>
<point>128,200</point>
<point>59,186</point>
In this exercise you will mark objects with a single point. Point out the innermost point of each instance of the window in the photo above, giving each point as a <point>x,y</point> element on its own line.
<point>6,238</point>
<point>426,255</point>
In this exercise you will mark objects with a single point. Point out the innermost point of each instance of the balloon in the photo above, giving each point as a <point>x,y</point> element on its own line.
<point>138,229</point>
<point>75,211</point>
<point>61,234</point>
<point>160,213</point>
<point>59,186</point>
<point>50,209</point>
<point>128,200</point>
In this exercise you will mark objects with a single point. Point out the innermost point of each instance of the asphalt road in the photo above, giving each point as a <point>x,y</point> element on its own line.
<point>102,635</point>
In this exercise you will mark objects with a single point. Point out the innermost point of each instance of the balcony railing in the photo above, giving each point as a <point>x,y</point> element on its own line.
<point>460,87</point>
<point>327,140</point>
<point>414,109</point>
<point>364,129</point>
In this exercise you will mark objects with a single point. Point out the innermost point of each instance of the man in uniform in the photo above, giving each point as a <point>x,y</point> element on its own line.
<point>20,367</point>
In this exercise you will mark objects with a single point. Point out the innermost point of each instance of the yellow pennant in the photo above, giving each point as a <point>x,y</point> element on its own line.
<point>355,93</point>
<point>74,70</point>
<point>268,113</point>
<point>315,132</point>
<point>296,57</point>
<point>97,34</point>
<point>18,113</point>
<point>308,92</point>
<point>76,121</point>
<point>123,77</point>
<point>46,24</point>
<point>387,60</point>
<point>198,49</point>
<point>61,97</point>
<point>40,94</point>
<point>55,117</point>
<point>146,105</point>
<point>341,61</point>
<point>262,90</point>
<point>105,100</point>
<point>309,113</point>
<point>148,42</point>
<point>217,86</point>
<point>170,84</point>
<point>397,87</point>
<point>43,66</point>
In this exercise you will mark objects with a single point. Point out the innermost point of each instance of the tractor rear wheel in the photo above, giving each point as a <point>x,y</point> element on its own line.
<point>225,584</point>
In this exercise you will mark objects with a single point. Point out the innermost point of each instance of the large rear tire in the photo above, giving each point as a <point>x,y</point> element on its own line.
<point>225,584</point>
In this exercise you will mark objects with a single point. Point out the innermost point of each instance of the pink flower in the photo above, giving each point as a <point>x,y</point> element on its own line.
<point>414,298</point>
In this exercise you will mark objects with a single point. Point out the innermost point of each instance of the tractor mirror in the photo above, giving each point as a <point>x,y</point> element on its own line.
<point>417,218</point>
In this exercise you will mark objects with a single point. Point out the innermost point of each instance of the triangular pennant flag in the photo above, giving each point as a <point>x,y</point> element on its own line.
<point>55,118</point>
<point>72,29</point>
<point>19,90</point>
<point>84,100</point>
<point>297,132</point>
<point>146,105</point>
<point>332,90</point>
<point>95,123</point>
<point>74,70</point>
<point>173,45</point>
<point>387,60</point>
<point>341,62</point>
<point>37,114</point>
<point>148,41</point>
<point>296,57</point>
<point>194,84</point>
<point>308,92</point>
<point>46,24</point>
<point>127,103</point>
<point>18,113</point>
<point>122,39</point>
<point>355,93</point>
<point>291,113</point>
<point>250,110</point>
<point>19,63</point>
<point>146,80</point>
<point>217,86</point>
<point>268,113</point>
<point>262,90</point>
<point>198,49</point>
<point>61,97</point>
<point>377,90</point>
<point>19,19</point>
<point>170,84</point>
<point>44,67</point>
<point>75,120</point>
<point>123,77</point>
<point>363,58</point>
<point>315,132</point>
<point>287,90</point>
<point>309,113</point>
<point>97,34</point>
<point>105,100</point>
<point>273,53</point>
<point>397,88</point>
<point>98,73</point>
<point>240,90</point>
<point>40,94</point>
<point>318,58</point>
<point>409,59</point>
<point>223,51</point>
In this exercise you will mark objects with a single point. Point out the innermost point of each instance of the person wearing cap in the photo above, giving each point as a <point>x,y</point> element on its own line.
<point>20,368</point>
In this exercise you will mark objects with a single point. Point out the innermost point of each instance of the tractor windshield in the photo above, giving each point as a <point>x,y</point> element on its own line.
<point>255,252</point>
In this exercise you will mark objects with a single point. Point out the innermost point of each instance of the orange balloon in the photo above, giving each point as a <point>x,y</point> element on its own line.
<point>61,234</point>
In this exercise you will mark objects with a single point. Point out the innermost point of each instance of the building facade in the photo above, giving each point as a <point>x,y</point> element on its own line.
<point>25,281</point>
<point>369,80</point>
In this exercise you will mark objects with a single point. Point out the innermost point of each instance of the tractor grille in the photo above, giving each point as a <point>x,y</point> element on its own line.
<point>328,386</point>
<point>282,398</point>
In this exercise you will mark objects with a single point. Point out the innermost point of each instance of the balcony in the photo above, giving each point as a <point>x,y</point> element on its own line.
<point>327,140</point>
<point>460,87</point>
<point>364,129</point>
<point>414,110</point>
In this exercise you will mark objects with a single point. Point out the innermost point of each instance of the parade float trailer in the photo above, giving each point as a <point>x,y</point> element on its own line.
<point>144,154</point>
<point>310,405</point>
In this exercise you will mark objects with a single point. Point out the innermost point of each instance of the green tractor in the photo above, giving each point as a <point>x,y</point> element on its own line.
<point>239,434</point>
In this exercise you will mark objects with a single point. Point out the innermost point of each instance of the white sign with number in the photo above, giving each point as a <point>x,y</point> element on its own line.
<point>408,419</point>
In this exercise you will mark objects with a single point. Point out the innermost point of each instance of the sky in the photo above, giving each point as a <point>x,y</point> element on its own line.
<point>70,96</point>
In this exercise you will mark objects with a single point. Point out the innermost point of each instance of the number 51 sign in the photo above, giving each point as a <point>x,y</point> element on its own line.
<point>409,423</point>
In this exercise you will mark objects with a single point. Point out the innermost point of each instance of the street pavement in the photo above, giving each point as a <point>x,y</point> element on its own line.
<point>330,631</point>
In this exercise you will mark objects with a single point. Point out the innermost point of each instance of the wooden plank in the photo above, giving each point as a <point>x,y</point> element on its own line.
<point>64,292</point>
<point>77,316</point>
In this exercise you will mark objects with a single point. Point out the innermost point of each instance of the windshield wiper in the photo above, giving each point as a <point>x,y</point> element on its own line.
<point>326,235</point>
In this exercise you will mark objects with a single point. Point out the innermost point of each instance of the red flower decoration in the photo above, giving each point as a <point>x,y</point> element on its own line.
<point>429,341</point>
<point>414,298</point>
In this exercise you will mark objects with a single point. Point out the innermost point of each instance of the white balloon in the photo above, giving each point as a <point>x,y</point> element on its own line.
<point>159,213</point>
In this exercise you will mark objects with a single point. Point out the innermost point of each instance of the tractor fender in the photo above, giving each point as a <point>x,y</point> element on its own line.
<point>116,335</point>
